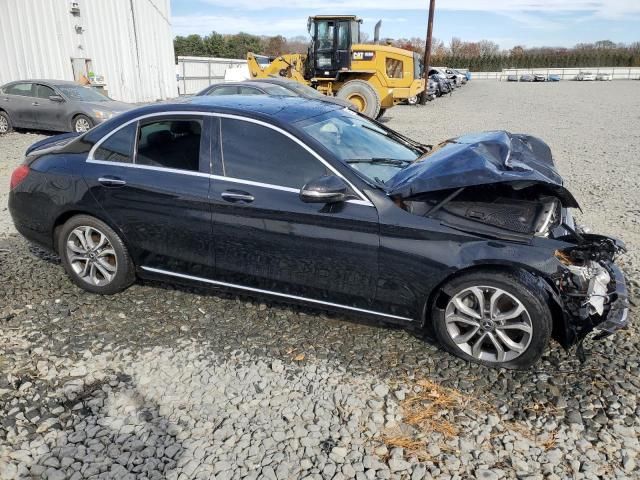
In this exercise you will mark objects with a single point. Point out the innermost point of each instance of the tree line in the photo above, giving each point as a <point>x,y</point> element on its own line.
<point>480,56</point>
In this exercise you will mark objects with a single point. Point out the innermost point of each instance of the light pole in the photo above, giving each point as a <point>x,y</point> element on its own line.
<point>427,52</point>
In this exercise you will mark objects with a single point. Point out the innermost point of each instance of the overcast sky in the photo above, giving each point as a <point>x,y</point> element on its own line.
<point>507,22</point>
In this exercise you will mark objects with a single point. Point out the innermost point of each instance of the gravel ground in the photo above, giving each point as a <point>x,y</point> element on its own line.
<point>164,381</point>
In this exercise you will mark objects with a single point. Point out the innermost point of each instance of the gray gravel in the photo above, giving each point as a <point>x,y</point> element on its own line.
<point>171,382</point>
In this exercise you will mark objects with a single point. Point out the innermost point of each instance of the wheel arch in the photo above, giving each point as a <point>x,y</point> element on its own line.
<point>67,215</point>
<point>438,295</point>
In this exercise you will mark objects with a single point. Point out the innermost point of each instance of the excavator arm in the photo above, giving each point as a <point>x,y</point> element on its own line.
<point>287,66</point>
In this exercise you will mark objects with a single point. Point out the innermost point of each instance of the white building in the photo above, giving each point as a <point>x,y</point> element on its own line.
<point>123,46</point>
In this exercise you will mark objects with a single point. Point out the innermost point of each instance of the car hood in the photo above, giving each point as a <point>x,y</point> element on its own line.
<point>482,159</point>
<point>110,106</point>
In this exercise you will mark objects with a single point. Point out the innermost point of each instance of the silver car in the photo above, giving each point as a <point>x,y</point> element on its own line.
<point>54,105</point>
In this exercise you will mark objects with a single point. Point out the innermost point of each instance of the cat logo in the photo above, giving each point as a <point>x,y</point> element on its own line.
<point>363,55</point>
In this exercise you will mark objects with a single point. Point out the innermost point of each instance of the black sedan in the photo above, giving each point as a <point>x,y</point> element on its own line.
<point>275,87</point>
<point>309,202</point>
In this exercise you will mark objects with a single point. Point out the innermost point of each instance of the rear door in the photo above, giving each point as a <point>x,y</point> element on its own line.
<point>152,180</point>
<point>266,238</point>
<point>18,101</point>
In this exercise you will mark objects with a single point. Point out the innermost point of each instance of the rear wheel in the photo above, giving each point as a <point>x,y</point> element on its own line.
<point>5,123</point>
<point>362,95</point>
<point>94,256</point>
<point>492,318</point>
<point>412,100</point>
<point>82,124</point>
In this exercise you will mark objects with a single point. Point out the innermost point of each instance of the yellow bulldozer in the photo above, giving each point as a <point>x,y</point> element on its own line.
<point>371,76</point>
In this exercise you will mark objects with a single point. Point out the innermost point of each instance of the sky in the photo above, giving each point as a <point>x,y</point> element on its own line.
<point>507,22</point>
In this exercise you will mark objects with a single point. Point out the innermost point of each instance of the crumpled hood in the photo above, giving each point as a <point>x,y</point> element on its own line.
<point>482,159</point>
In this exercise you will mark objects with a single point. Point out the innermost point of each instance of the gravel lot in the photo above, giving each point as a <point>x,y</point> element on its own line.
<point>164,381</point>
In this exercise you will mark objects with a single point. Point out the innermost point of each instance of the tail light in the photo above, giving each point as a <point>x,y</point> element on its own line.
<point>18,176</point>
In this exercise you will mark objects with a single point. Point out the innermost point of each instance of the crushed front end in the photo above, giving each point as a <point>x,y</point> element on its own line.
<point>592,287</point>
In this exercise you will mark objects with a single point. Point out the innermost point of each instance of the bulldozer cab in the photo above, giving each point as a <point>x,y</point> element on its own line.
<point>330,50</point>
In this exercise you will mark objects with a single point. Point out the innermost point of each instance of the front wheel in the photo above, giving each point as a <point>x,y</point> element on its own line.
<point>493,318</point>
<point>94,256</point>
<point>412,100</point>
<point>82,124</point>
<point>362,95</point>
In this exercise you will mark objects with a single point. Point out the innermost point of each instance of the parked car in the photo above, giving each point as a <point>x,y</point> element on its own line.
<point>538,77</point>
<point>274,87</point>
<point>606,77</point>
<point>56,105</point>
<point>553,78</point>
<point>512,78</point>
<point>585,76</point>
<point>460,77</point>
<point>527,78</point>
<point>445,85</point>
<point>308,202</point>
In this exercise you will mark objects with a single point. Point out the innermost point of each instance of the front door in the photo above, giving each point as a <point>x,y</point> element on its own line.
<point>152,179</point>
<point>266,238</point>
<point>49,115</point>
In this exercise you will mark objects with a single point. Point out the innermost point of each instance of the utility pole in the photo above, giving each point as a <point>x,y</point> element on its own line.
<point>427,52</point>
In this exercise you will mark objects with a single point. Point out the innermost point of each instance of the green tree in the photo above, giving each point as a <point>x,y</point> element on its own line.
<point>215,45</point>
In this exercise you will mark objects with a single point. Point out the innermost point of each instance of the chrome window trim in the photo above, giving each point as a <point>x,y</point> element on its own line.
<point>270,292</point>
<point>90,158</point>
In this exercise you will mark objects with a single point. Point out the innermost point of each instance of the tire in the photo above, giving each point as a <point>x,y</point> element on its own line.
<point>121,271</point>
<point>381,113</point>
<point>362,95</point>
<point>412,100</point>
<point>514,291</point>
<point>81,124</point>
<point>5,123</point>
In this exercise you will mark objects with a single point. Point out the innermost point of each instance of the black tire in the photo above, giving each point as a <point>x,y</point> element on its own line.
<point>381,113</point>
<point>79,123</point>
<point>124,274</point>
<point>362,95</point>
<point>522,286</point>
<point>5,123</point>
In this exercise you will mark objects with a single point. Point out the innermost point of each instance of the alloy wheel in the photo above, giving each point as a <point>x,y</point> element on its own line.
<point>489,324</point>
<point>4,125</point>
<point>92,256</point>
<point>82,125</point>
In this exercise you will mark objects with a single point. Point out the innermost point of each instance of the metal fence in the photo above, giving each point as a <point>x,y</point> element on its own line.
<point>196,73</point>
<point>617,73</point>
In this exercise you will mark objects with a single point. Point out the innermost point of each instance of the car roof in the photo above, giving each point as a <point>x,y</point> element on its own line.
<point>278,110</point>
<point>41,80</point>
<point>243,83</point>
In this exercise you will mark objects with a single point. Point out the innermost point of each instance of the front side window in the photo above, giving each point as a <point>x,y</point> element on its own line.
<point>118,147</point>
<point>20,89</point>
<point>394,68</point>
<point>260,154</point>
<point>42,91</point>
<point>325,35</point>
<point>250,91</point>
<point>170,144</point>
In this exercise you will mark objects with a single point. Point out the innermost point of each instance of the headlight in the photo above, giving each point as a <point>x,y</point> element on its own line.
<point>102,114</point>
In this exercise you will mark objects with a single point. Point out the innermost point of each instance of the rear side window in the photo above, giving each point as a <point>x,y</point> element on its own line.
<point>260,154</point>
<point>250,91</point>
<point>223,91</point>
<point>170,144</point>
<point>118,147</point>
<point>22,89</point>
<point>394,68</point>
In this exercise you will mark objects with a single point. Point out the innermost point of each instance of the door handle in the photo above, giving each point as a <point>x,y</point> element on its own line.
<point>237,196</point>
<point>112,181</point>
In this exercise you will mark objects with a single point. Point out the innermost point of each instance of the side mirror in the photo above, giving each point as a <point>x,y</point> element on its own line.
<point>325,189</point>
<point>56,98</point>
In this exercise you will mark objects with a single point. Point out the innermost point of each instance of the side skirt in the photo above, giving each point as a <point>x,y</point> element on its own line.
<point>395,318</point>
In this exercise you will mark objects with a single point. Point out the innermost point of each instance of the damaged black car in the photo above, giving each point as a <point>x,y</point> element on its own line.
<point>303,201</point>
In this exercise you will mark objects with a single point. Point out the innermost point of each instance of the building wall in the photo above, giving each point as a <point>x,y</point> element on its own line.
<point>129,42</point>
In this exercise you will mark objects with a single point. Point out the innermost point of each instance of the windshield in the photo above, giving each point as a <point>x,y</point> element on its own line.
<point>304,90</point>
<point>376,153</point>
<point>83,94</point>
